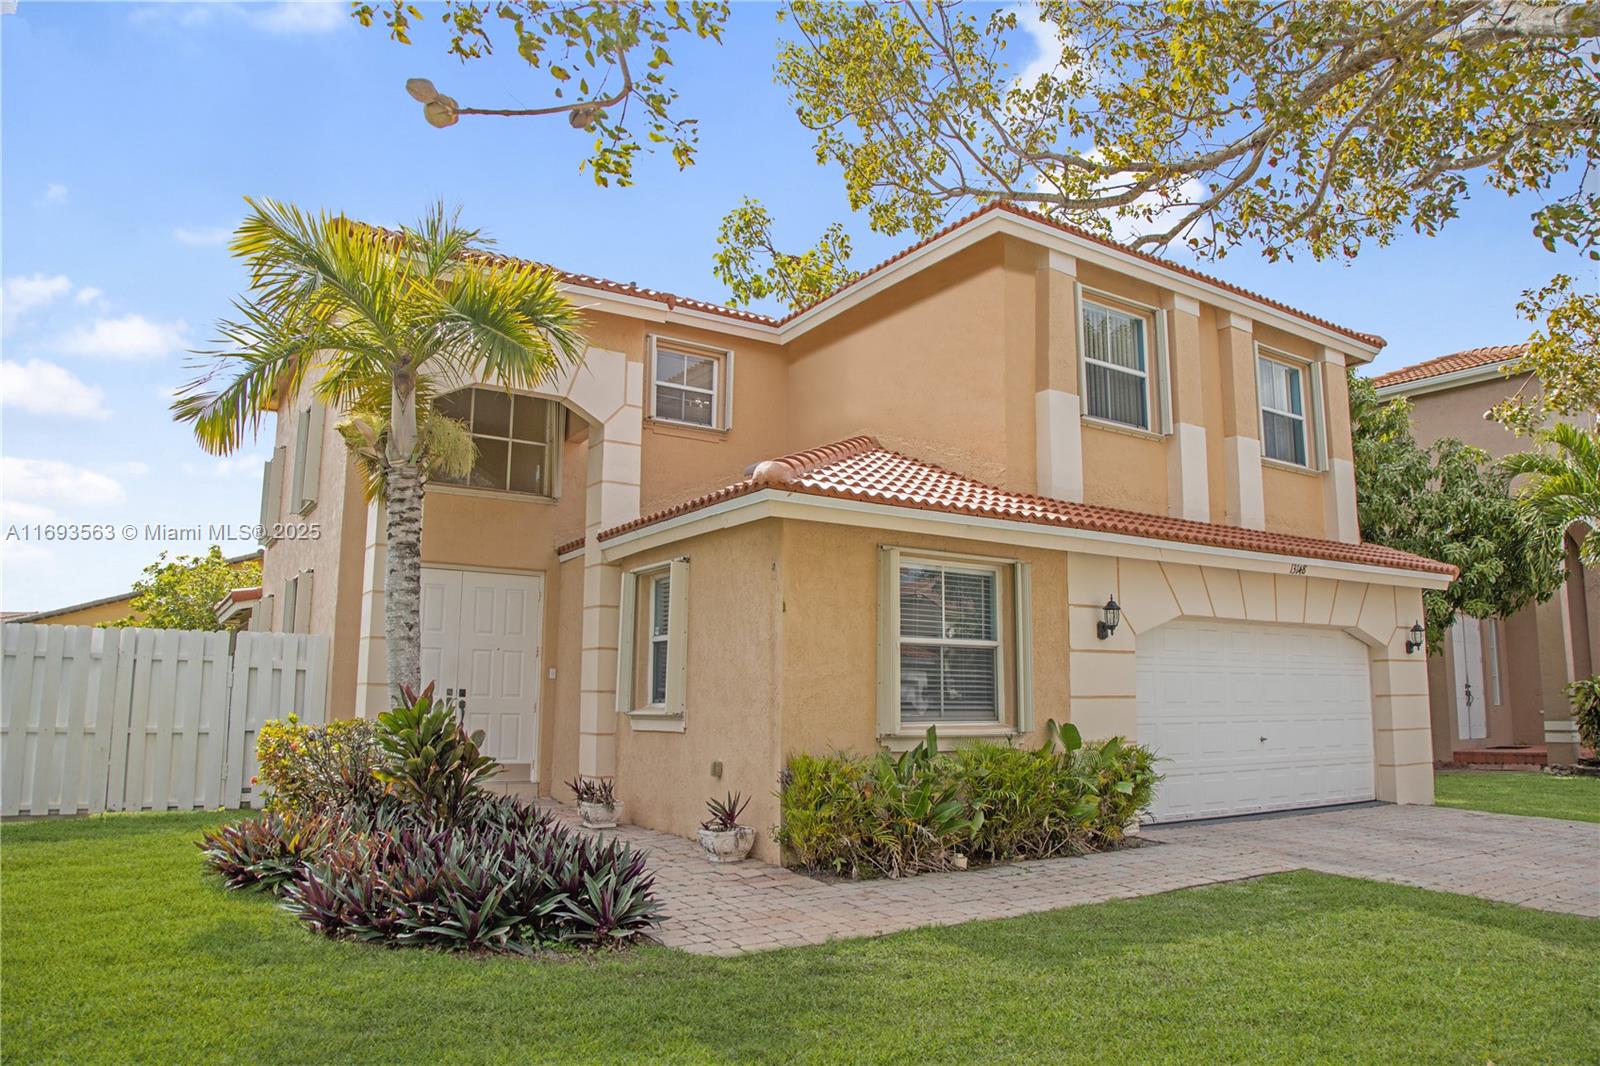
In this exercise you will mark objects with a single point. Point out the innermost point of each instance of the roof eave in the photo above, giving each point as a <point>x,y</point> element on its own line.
<point>754,504</point>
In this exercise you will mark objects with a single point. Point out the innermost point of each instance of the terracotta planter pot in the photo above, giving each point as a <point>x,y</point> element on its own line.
<point>728,845</point>
<point>599,815</point>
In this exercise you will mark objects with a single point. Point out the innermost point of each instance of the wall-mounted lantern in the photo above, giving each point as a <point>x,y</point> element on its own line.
<point>1418,635</point>
<point>1110,616</point>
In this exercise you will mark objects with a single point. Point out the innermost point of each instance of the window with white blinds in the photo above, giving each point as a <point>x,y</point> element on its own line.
<point>1115,366</point>
<point>660,608</point>
<point>1281,390</point>
<point>948,643</point>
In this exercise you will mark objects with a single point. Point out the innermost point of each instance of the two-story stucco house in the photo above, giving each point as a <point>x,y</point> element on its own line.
<point>729,537</point>
<point>1499,687</point>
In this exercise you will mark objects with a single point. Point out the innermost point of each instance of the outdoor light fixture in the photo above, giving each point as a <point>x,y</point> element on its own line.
<point>1416,641</point>
<point>1110,615</point>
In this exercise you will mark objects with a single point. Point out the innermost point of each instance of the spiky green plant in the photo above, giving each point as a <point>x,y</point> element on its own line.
<point>1564,483</point>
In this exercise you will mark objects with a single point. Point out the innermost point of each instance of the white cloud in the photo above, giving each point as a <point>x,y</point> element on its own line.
<point>55,193</point>
<point>19,511</point>
<point>19,294</point>
<point>1046,45</point>
<point>47,389</point>
<point>44,481</point>
<point>133,468</point>
<point>127,337</point>
<point>88,295</point>
<point>202,236</point>
<point>299,16</point>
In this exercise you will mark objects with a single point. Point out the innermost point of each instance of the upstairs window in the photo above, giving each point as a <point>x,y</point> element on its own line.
<point>949,643</point>
<point>1115,366</point>
<point>515,437</point>
<point>1281,389</point>
<point>689,384</point>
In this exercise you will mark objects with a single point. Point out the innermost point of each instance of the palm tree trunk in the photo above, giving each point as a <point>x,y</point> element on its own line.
<point>402,597</point>
<point>402,587</point>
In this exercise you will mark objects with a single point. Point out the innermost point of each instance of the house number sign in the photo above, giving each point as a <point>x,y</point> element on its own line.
<point>1297,568</point>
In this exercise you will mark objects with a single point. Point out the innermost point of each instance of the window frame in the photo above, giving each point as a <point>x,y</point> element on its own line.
<point>721,391</point>
<point>1301,368</point>
<point>555,435</point>
<point>1013,624</point>
<point>638,586</point>
<point>1153,332</point>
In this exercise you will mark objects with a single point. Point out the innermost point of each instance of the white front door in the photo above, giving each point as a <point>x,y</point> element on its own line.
<point>1248,718</point>
<point>1472,705</point>
<point>480,647</point>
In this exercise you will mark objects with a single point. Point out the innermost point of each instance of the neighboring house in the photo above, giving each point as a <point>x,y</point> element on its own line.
<point>728,537</point>
<point>1498,688</point>
<point>107,608</point>
<point>237,609</point>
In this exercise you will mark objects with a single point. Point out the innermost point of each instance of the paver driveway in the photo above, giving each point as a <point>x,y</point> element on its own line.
<point>1534,862</point>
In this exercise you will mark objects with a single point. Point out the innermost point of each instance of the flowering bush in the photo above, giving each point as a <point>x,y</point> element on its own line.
<point>308,768</point>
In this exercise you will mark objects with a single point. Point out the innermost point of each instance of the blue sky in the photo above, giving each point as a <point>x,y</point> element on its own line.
<point>131,132</point>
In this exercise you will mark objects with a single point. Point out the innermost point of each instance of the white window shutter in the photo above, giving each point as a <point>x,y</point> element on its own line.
<point>627,622</point>
<point>302,601</point>
<point>727,387</point>
<point>1316,418</point>
<point>677,636</point>
<point>1163,369</point>
<point>266,515</point>
<point>297,482</point>
<point>311,462</point>
<point>261,616</point>
<point>286,622</point>
<point>1083,339</point>
<point>1022,596</point>
<point>274,509</point>
<point>888,644</point>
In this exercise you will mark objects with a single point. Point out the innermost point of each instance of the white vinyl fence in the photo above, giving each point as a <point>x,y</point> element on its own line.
<point>145,719</point>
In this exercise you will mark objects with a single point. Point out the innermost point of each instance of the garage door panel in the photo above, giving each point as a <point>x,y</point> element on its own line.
<point>1253,717</point>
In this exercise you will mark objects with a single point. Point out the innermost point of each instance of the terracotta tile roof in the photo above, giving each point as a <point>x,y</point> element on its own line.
<point>858,469</point>
<point>673,300</point>
<point>569,546</point>
<point>1449,364</point>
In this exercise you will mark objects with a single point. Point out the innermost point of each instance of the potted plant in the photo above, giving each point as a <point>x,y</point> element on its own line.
<point>597,802</point>
<point>724,839</point>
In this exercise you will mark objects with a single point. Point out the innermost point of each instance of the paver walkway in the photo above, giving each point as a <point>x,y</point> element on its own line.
<point>752,906</point>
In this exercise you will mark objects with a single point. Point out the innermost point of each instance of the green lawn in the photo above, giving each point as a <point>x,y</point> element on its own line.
<point>116,949</point>
<point>1519,792</point>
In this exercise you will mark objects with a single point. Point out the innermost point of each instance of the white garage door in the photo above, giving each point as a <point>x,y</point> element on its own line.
<point>1254,717</point>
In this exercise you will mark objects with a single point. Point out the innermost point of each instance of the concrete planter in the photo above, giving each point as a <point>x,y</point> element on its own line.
<point>599,815</point>
<point>728,845</point>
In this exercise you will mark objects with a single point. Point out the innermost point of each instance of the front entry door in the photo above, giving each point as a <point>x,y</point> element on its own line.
<point>480,646</point>
<point>1472,705</point>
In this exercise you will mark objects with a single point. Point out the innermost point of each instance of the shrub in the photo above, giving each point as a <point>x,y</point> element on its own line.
<point>506,878</point>
<point>1585,695</point>
<point>309,768</point>
<point>886,815</point>
<point>724,813</point>
<point>432,762</point>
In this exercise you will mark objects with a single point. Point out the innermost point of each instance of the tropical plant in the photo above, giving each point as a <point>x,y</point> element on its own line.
<point>597,790</point>
<point>887,815</point>
<point>432,762</point>
<point>375,320</point>
<point>310,768</point>
<point>507,878</point>
<point>183,593</point>
<point>266,852</point>
<point>1564,485</point>
<point>1449,502</point>
<point>724,813</point>
<point>1585,696</point>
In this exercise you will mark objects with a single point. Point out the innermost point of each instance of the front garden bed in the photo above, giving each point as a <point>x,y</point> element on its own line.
<point>882,815</point>
<point>384,833</point>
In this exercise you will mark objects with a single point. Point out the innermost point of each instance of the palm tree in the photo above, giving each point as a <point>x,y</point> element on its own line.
<point>1564,485</point>
<point>384,317</point>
